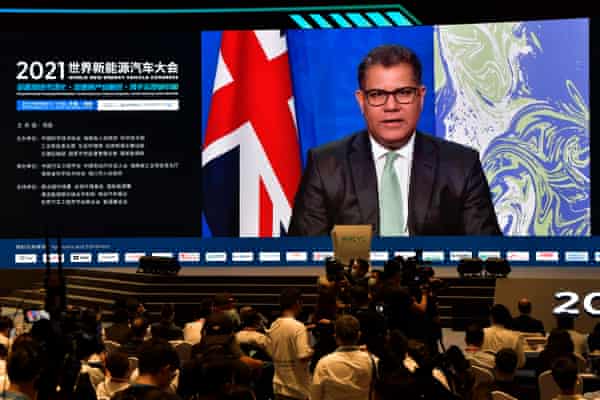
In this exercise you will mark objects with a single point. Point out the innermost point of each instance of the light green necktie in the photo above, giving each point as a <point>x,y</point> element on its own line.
<point>390,199</point>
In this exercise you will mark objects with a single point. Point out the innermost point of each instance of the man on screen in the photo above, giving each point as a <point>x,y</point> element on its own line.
<point>400,181</point>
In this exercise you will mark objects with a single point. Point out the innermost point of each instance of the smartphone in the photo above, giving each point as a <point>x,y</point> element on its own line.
<point>35,315</point>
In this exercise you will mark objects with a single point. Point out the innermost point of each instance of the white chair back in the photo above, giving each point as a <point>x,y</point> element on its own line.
<point>184,351</point>
<point>111,346</point>
<point>133,363</point>
<point>498,395</point>
<point>482,376</point>
<point>535,342</point>
<point>549,389</point>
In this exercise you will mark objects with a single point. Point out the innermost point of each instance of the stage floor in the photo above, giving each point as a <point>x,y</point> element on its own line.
<point>441,272</point>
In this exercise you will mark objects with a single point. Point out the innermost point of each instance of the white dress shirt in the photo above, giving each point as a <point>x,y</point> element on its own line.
<point>345,374</point>
<point>402,166</point>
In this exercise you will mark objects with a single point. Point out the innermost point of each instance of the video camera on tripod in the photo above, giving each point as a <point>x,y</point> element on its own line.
<point>336,271</point>
<point>416,274</point>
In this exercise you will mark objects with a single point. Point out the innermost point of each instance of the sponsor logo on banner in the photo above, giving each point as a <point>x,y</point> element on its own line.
<point>53,257</point>
<point>296,256</point>
<point>162,254</point>
<point>546,255</point>
<point>25,258</point>
<point>246,256</point>
<point>576,256</point>
<point>380,256</point>
<point>597,256</point>
<point>216,256</point>
<point>189,257</point>
<point>433,256</point>
<point>81,257</point>
<point>405,254</point>
<point>133,257</point>
<point>321,255</point>
<point>484,255</point>
<point>108,257</point>
<point>517,255</point>
<point>269,256</point>
<point>459,255</point>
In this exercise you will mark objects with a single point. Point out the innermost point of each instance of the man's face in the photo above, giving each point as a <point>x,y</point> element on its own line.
<point>392,123</point>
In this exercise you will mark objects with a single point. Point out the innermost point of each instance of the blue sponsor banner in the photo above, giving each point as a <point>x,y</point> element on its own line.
<point>87,252</point>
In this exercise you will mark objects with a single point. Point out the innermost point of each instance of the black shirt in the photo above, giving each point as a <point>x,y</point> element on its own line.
<point>525,323</point>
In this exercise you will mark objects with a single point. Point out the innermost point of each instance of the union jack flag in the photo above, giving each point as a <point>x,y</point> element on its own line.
<point>251,155</point>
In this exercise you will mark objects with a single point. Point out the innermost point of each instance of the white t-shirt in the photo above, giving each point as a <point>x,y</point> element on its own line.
<point>345,374</point>
<point>108,388</point>
<point>497,337</point>
<point>252,338</point>
<point>288,345</point>
<point>579,341</point>
<point>192,331</point>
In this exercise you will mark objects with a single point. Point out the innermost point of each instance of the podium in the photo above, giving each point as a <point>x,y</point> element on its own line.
<point>351,242</point>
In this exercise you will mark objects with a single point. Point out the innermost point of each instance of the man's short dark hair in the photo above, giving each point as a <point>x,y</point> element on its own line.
<point>250,318</point>
<point>396,344</point>
<point>156,354</point>
<point>389,56</point>
<point>506,361</point>
<point>524,306</point>
<point>24,363</point>
<point>289,298</point>
<point>566,322</point>
<point>393,267</point>
<point>564,372</point>
<point>117,363</point>
<point>347,329</point>
<point>5,323</point>
<point>474,334</point>
<point>120,315</point>
<point>167,312</point>
<point>500,315</point>
<point>359,295</point>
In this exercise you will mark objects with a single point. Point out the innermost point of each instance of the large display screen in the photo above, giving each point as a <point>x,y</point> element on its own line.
<point>193,142</point>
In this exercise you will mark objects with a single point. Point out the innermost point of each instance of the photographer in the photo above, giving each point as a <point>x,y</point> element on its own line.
<point>408,301</point>
<point>372,322</point>
<point>424,288</point>
<point>338,280</point>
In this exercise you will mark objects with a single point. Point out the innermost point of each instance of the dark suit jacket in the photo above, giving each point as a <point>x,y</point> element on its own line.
<point>448,194</point>
<point>525,323</point>
<point>167,332</point>
<point>119,332</point>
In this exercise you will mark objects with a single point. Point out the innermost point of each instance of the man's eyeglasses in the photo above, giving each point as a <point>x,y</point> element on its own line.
<point>378,97</point>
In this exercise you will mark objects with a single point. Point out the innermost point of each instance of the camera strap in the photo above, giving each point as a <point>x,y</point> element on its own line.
<point>373,376</point>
